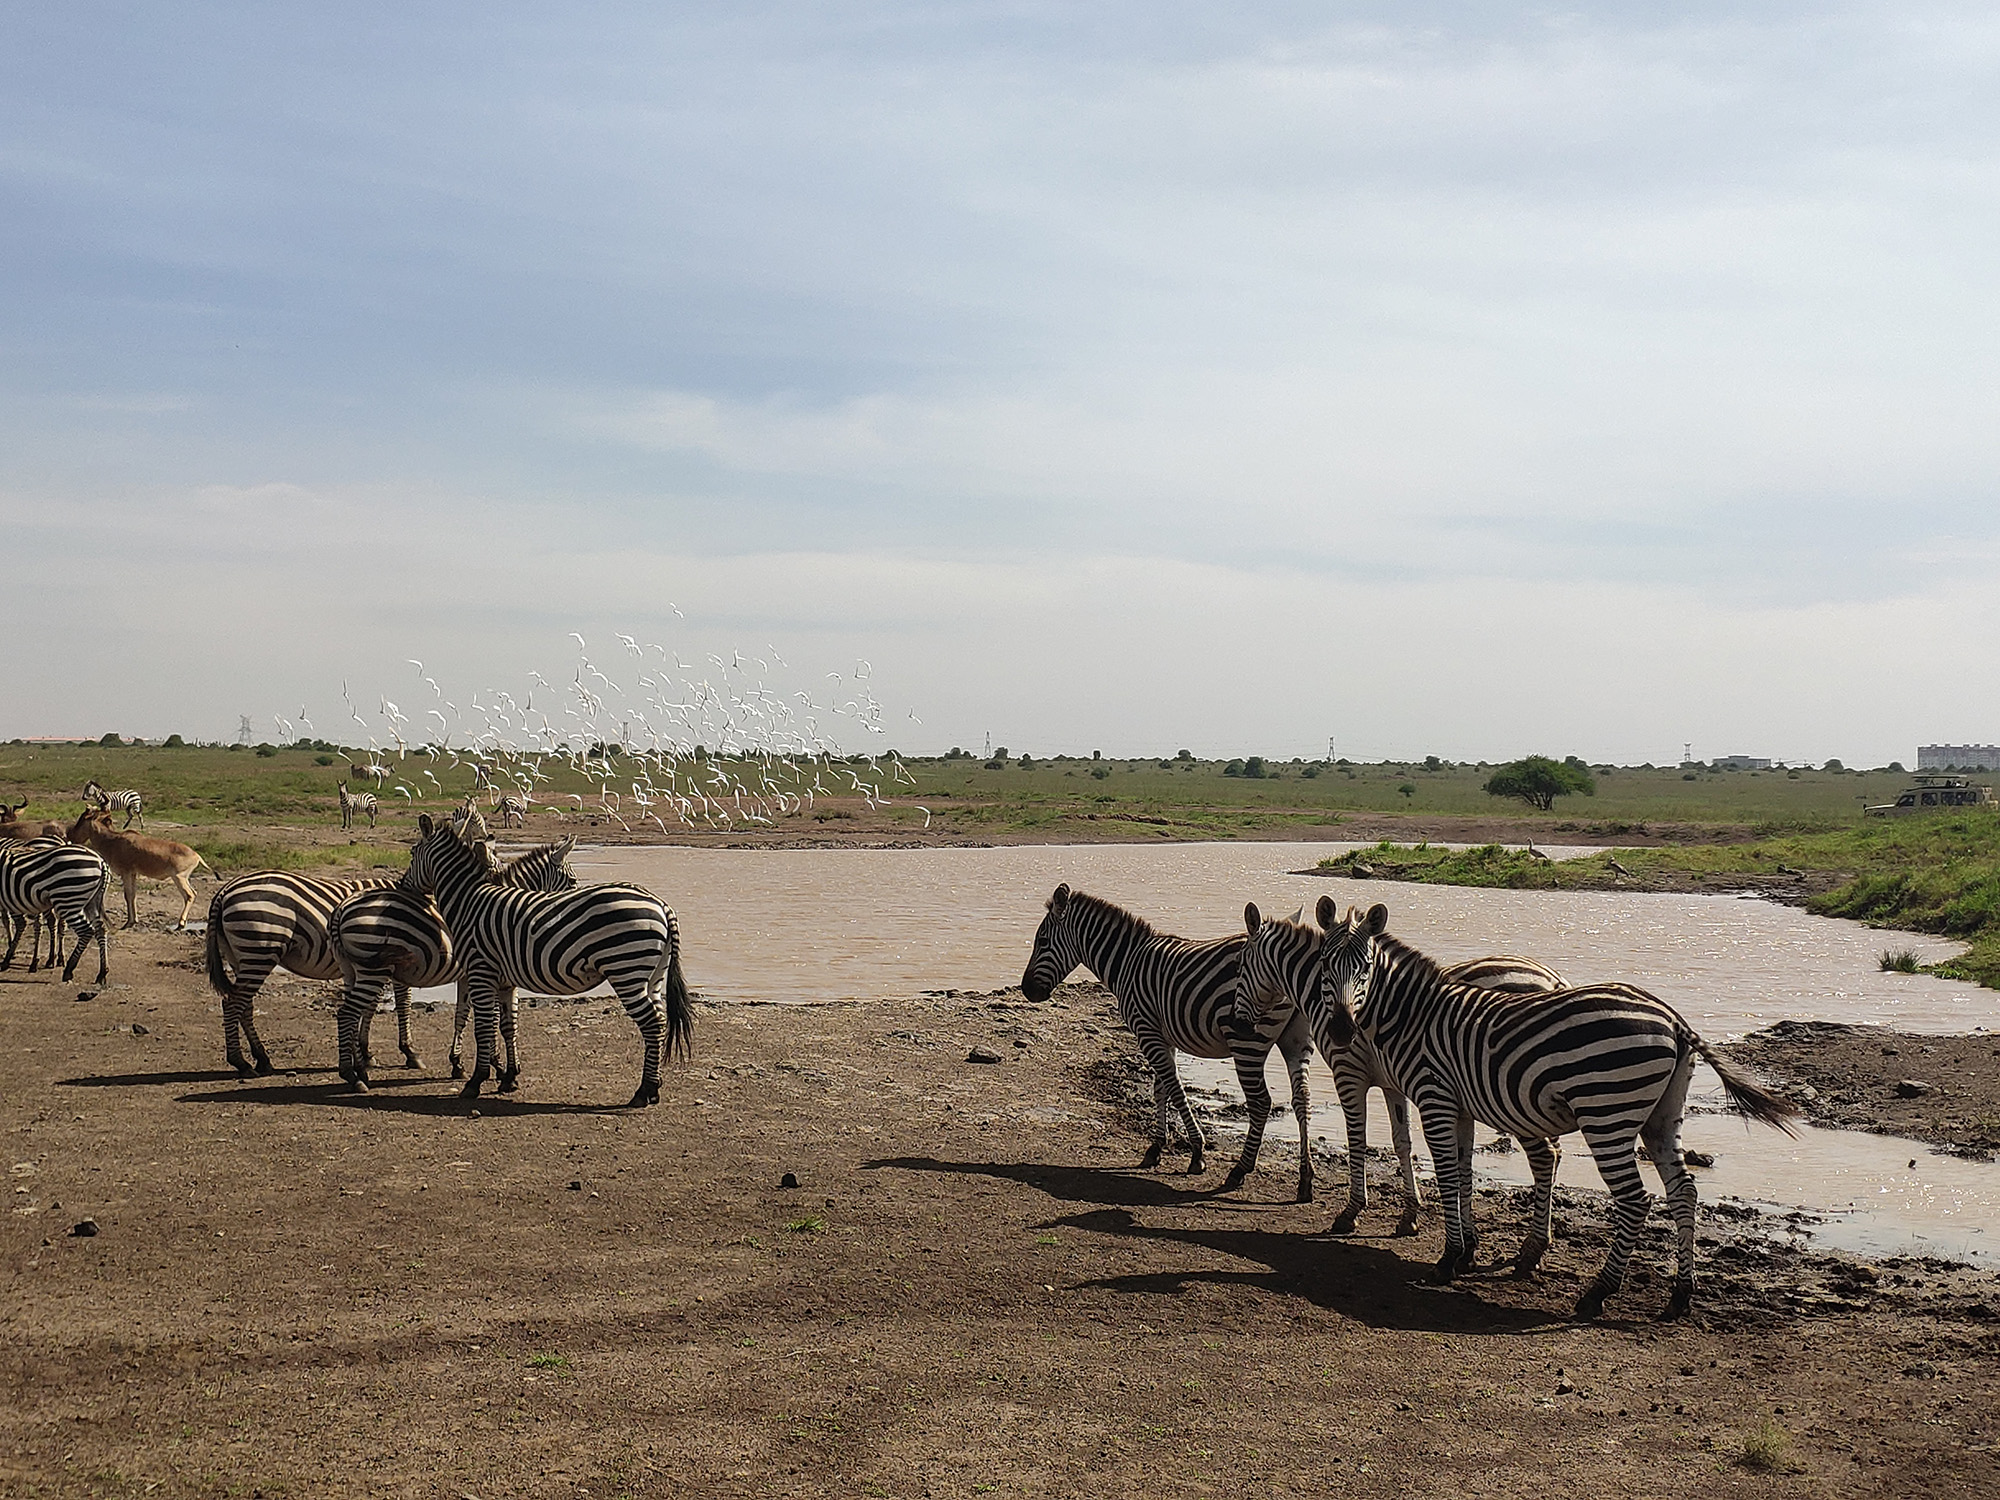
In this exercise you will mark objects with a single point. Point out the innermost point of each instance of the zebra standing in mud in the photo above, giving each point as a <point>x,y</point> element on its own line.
<point>557,943</point>
<point>390,938</point>
<point>355,804</point>
<point>128,802</point>
<point>1283,961</point>
<point>1609,1060</point>
<point>64,879</point>
<point>1176,994</point>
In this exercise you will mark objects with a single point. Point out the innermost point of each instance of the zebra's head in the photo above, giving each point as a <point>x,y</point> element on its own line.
<point>1055,953</point>
<point>1280,971</point>
<point>439,853</point>
<point>1347,954</point>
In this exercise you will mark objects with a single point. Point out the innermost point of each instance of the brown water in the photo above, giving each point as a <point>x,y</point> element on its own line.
<point>809,926</point>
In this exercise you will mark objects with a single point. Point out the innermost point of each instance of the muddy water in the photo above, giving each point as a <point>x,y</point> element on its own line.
<point>819,925</point>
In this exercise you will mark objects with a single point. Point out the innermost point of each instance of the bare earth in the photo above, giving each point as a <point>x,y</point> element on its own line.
<point>298,1291</point>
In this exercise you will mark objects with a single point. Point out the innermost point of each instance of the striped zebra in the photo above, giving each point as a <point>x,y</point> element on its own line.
<point>513,810</point>
<point>65,880</point>
<point>1176,994</point>
<point>385,939</point>
<point>128,802</point>
<point>272,920</point>
<point>356,804</point>
<point>47,918</point>
<point>1609,1060</point>
<point>557,943</point>
<point>1283,961</point>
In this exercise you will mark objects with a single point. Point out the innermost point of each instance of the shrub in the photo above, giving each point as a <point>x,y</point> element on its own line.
<point>174,742</point>
<point>1253,768</point>
<point>1538,781</point>
<point>1101,773</point>
<point>1899,963</point>
<point>267,751</point>
<point>1768,1447</point>
<point>322,760</point>
<point>1183,755</point>
<point>1408,790</point>
<point>1234,768</point>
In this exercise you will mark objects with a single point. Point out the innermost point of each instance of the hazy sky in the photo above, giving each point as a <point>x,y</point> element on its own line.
<point>1453,380</point>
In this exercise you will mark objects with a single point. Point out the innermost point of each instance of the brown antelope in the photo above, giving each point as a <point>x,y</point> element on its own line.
<point>132,855</point>
<point>13,826</point>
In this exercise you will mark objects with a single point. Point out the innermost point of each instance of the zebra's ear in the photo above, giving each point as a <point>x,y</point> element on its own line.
<point>1377,920</point>
<point>1325,911</point>
<point>1297,918</point>
<point>1252,918</point>
<point>1059,900</point>
<point>424,825</point>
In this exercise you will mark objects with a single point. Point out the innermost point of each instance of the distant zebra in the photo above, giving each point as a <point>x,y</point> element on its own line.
<point>271,920</point>
<point>390,938</point>
<point>129,803</point>
<point>1610,1060</point>
<point>1283,961</point>
<point>41,876</point>
<point>1176,994</point>
<point>513,811</point>
<point>559,944</point>
<point>355,803</point>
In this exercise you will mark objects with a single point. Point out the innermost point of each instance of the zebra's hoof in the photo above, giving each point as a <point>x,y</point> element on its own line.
<point>470,1091</point>
<point>360,1085</point>
<point>1152,1157</point>
<point>264,1067</point>
<point>411,1060</point>
<point>1678,1304</point>
<point>1590,1304</point>
<point>1406,1226</point>
<point>1235,1179</point>
<point>1196,1166</point>
<point>1446,1270</point>
<point>1305,1193</point>
<point>1344,1223</point>
<point>507,1084</point>
<point>457,1069</point>
<point>648,1093</point>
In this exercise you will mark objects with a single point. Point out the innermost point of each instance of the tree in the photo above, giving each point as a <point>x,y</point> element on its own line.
<point>1538,781</point>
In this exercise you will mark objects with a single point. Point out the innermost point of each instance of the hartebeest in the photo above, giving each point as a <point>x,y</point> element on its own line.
<point>14,826</point>
<point>132,855</point>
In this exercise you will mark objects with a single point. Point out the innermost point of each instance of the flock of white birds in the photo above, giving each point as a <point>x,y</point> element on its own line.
<point>711,745</point>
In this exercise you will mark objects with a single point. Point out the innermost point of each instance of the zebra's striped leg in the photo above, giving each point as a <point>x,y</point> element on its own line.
<point>81,919</point>
<point>485,989</point>
<point>510,1011</point>
<point>459,1017</point>
<point>1406,1159</point>
<point>1664,1146</point>
<point>1351,1083</point>
<point>15,924</point>
<point>1298,1058</point>
<point>239,1011</point>
<point>644,1007</point>
<point>1618,1164</point>
<point>1257,1095</point>
<point>410,1058</point>
<point>1169,1098</point>
<point>1543,1155</point>
<point>1471,1227</point>
<point>1441,1119</point>
<point>357,1003</point>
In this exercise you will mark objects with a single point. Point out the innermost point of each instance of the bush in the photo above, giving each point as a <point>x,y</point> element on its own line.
<point>1183,755</point>
<point>174,742</point>
<point>1538,780</point>
<point>110,741</point>
<point>1234,768</point>
<point>267,751</point>
<point>1407,789</point>
<point>1101,773</point>
<point>322,760</point>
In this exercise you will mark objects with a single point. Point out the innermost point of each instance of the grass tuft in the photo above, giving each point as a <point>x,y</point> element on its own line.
<point>1904,962</point>
<point>1767,1448</point>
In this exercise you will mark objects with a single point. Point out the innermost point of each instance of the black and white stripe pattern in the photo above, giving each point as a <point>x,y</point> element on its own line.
<point>127,802</point>
<point>356,804</point>
<point>1282,961</point>
<point>1609,1060</point>
<point>513,810</point>
<point>47,876</point>
<point>385,939</point>
<point>1176,995</point>
<point>558,944</point>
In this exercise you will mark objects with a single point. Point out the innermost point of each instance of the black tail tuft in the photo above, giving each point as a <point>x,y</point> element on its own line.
<point>218,975</point>
<point>1757,1103</point>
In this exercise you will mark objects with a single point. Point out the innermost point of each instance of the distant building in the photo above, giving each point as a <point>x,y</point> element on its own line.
<point>1742,763</point>
<point>1960,757</point>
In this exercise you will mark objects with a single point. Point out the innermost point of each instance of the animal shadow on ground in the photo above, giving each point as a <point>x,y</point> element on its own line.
<point>141,1080</point>
<point>1368,1282</point>
<point>380,1097</point>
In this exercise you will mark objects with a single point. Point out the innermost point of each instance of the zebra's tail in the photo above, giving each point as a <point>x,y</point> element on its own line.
<point>1757,1103</point>
<point>679,1004</point>
<point>218,975</point>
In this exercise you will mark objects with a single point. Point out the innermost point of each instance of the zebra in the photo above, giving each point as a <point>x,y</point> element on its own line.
<point>353,804</point>
<point>129,803</point>
<point>385,938</point>
<point>63,879</point>
<point>274,919</point>
<point>1610,1060</point>
<point>559,943</point>
<point>1283,961</point>
<point>513,811</point>
<point>1176,994</point>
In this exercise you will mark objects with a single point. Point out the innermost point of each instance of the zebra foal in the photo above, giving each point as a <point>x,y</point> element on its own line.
<point>558,943</point>
<point>1609,1060</point>
<point>43,876</point>
<point>388,938</point>
<point>1176,994</point>
<point>356,804</point>
<point>1281,961</point>
<point>128,802</point>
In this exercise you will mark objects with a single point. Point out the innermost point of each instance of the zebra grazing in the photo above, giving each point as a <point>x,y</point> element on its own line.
<point>559,943</point>
<point>513,811</point>
<point>354,804</point>
<point>1283,961</point>
<point>390,938</point>
<point>1609,1060</point>
<point>129,803</point>
<point>63,879</point>
<point>1176,994</point>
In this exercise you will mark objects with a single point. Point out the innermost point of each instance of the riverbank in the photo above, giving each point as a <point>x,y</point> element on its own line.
<point>972,1289</point>
<point>1944,1090</point>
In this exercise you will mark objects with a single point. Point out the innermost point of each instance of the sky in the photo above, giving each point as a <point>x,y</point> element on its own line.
<point>1462,380</point>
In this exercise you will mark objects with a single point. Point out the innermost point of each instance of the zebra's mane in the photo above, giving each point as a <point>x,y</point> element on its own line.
<point>1115,912</point>
<point>1398,957</point>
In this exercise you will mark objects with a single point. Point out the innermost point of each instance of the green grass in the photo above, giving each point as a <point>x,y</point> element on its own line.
<point>1767,1448</point>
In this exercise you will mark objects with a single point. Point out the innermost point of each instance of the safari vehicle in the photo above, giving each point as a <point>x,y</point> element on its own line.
<point>1932,793</point>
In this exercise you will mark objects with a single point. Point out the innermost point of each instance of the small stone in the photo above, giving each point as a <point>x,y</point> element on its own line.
<point>85,1228</point>
<point>139,1028</point>
<point>1923,1369</point>
<point>86,994</point>
<point>1697,1158</point>
<point>1020,1041</point>
<point>576,1184</point>
<point>1913,1088</point>
<point>789,1180</point>
<point>982,1055</point>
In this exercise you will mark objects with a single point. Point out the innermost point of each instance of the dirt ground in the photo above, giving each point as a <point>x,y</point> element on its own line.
<point>1941,1089</point>
<point>973,1290</point>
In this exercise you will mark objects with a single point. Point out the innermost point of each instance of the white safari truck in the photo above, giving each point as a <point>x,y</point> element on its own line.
<point>1932,793</point>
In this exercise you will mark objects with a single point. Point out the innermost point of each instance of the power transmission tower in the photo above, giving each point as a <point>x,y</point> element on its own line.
<point>243,729</point>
